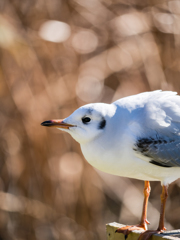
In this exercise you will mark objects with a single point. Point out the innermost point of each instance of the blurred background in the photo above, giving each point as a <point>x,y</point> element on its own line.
<point>56,56</point>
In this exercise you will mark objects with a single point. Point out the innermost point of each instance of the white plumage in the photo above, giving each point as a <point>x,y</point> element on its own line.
<point>136,136</point>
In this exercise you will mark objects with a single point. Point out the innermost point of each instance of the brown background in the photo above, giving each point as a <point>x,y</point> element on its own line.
<point>108,50</point>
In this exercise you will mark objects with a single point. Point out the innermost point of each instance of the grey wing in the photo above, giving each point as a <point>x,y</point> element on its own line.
<point>155,124</point>
<point>164,152</point>
<point>159,132</point>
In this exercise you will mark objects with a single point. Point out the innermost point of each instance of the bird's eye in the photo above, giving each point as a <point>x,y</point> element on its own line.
<point>86,120</point>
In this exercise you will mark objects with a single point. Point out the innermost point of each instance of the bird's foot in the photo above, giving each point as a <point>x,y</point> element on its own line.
<point>128,229</point>
<point>147,234</point>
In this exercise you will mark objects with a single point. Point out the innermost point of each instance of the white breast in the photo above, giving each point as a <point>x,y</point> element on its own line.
<point>121,160</point>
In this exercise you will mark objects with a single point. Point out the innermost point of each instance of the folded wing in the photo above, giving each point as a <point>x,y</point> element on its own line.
<point>159,138</point>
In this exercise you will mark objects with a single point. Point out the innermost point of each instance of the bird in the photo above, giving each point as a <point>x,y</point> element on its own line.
<point>137,137</point>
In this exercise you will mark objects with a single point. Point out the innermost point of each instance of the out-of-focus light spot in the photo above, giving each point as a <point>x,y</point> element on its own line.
<point>7,33</point>
<point>118,59</point>
<point>55,31</point>
<point>164,18</point>
<point>59,90</point>
<point>149,48</point>
<point>174,6</point>
<point>130,24</point>
<point>166,22</point>
<point>132,48</point>
<point>70,164</point>
<point>93,71</point>
<point>85,41</point>
<point>12,142</point>
<point>87,4</point>
<point>15,165</point>
<point>89,88</point>
<point>10,202</point>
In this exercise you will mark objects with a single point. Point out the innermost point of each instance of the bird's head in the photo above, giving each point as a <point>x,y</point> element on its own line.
<point>86,123</point>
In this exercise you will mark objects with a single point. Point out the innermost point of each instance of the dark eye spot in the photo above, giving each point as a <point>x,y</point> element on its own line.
<point>86,120</point>
<point>102,124</point>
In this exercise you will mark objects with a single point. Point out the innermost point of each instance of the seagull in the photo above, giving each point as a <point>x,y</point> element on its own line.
<point>136,137</point>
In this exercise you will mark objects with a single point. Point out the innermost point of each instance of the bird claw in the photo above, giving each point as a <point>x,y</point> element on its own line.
<point>147,222</point>
<point>147,234</point>
<point>128,229</point>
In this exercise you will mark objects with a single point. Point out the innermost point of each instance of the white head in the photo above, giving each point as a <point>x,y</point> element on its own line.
<point>86,123</point>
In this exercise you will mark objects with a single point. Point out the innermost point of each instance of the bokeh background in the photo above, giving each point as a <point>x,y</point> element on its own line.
<point>56,56</point>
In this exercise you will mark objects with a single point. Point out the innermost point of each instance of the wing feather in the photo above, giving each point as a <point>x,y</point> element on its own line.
<point>159,138</point>
<point>163,152</point>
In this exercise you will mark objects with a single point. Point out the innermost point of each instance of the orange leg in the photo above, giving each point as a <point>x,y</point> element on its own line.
<point>143,224</point>
<point>147,190</point>
<point>147,234</point>
<point>164,196</point>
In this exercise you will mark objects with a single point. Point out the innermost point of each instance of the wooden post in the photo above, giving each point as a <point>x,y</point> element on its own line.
<point>111,235</point>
